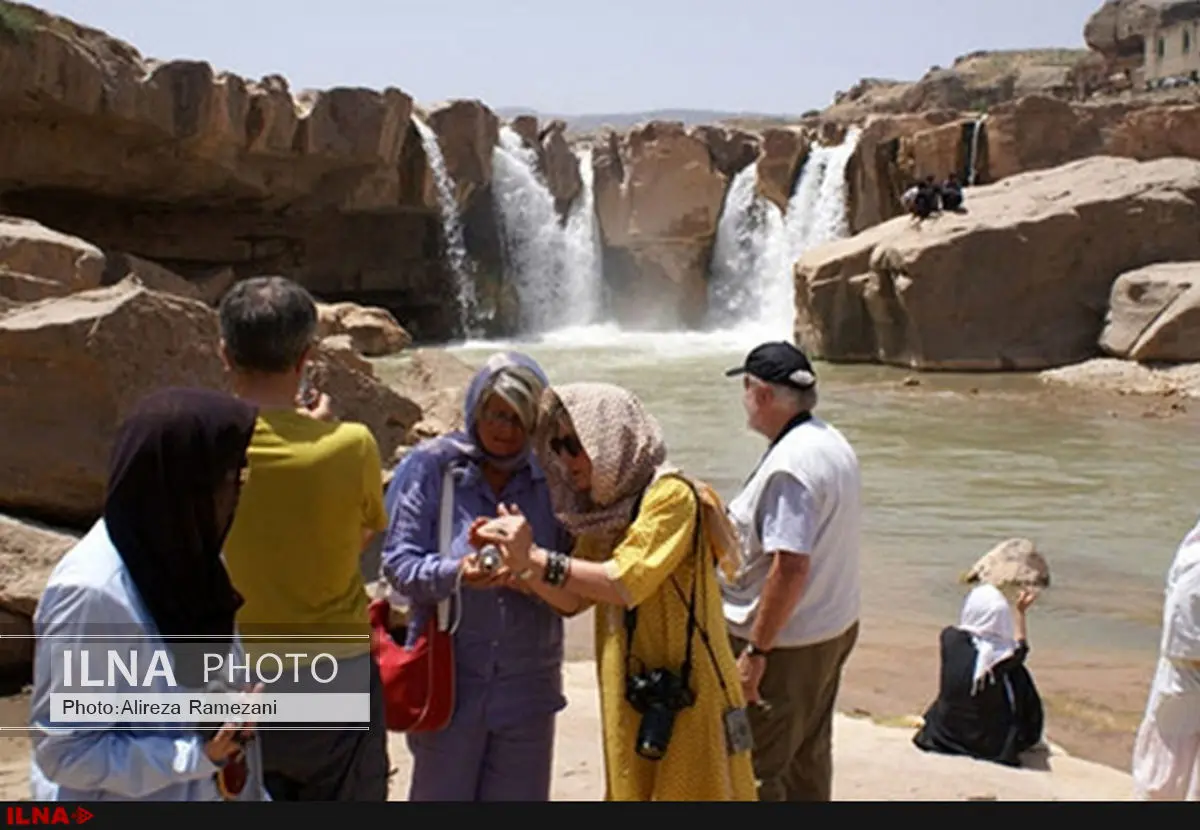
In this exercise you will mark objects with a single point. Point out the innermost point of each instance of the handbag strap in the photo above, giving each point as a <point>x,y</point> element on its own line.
<point>445,540</point>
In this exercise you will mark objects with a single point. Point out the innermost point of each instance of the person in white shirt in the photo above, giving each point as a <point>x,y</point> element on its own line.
<point>793,608</point>
<point>1166,753</point>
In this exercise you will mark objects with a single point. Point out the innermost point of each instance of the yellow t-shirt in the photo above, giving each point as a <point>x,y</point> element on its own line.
<point>294,550</point>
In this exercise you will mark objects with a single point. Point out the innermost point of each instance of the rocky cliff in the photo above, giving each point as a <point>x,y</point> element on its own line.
<point>201,171</point>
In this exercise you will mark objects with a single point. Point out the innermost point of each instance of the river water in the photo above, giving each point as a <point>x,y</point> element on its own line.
<point>951,466</point>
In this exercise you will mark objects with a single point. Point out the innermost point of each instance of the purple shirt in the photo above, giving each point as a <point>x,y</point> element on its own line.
<point>508,648</point>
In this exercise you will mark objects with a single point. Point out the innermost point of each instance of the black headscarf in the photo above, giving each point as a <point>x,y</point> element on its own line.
<point>170,456</point>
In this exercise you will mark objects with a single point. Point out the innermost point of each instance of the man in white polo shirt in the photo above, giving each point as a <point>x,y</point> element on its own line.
<point>793,609</point>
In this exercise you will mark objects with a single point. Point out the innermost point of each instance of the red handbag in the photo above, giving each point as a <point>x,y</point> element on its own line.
<point>419,681</point>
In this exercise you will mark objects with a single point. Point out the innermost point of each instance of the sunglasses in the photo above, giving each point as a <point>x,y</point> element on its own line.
<point>568,444</point>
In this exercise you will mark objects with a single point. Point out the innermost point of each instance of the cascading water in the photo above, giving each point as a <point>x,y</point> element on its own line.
<point>973,162</point>
<point>757,247</point>
<point>456,248</point>
<point>554,266</point>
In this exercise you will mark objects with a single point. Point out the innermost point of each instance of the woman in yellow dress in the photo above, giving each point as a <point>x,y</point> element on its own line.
<point>672,707</point>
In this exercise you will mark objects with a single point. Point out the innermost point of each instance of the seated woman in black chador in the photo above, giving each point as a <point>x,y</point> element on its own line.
<point>988,706</point>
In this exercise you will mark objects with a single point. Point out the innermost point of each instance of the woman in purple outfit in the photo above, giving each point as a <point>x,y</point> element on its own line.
<point>508,644</point>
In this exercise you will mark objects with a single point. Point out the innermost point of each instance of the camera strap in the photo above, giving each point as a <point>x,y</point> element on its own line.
<point>685,671</point>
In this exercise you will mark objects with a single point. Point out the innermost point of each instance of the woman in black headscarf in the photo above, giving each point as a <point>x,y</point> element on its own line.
<point>151,569</point>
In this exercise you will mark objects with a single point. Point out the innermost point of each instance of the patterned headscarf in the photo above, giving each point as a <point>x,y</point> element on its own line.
<point>625,445</point>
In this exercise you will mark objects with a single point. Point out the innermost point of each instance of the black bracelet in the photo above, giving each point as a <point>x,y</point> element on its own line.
<point>555,573</point>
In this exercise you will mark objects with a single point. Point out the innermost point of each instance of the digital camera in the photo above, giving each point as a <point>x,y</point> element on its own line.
<point>658,696</point>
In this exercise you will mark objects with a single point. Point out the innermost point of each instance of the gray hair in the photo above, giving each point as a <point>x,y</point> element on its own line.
<point>267,323</point>
<point>803,400</point>
<point>521,389</point>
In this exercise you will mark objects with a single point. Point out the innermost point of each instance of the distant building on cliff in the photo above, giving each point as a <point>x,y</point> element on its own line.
<point>1172,46</point>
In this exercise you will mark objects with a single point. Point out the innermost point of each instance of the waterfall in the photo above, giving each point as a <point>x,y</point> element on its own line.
<point>555,266</point>
<point>456,248</point>
<point>584,268</point>
<point>973,161</point>
<point>757,247</point>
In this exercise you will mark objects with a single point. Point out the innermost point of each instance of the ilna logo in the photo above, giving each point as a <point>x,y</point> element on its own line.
<point>47,815</point>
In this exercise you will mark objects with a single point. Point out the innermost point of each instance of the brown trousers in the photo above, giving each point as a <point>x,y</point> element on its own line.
<point>793,735</point>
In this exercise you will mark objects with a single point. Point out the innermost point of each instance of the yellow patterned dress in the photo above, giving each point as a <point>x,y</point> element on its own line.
<point>697,766</point>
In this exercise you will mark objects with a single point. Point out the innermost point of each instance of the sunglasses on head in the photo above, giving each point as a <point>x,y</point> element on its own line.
<point>568,444</point>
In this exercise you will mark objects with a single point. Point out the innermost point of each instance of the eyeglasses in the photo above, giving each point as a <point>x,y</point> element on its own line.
<point>568,444</point>
<point>506,418</point>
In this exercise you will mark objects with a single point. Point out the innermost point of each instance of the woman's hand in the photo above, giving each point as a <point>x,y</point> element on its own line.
<point>474,575</point>
<point>511,532</point>
<point>231,737</point>
<point>1025,599</point>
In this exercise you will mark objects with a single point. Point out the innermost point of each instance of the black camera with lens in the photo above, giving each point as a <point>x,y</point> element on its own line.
<point>658,696</point>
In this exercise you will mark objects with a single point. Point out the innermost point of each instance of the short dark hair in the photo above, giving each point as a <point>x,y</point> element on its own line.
<point>267,324</point>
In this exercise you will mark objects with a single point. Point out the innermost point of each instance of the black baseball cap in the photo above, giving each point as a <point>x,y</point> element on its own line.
<point>778,362</point>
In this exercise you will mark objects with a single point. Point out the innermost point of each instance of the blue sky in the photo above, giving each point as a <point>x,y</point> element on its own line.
<point>600,56</point>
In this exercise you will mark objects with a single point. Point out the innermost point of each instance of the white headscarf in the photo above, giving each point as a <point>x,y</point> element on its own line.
<point>986,616</point>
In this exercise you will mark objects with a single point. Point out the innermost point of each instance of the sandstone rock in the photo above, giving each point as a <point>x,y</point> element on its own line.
<point>1154,314</point>
<point>374,331</point>
<point>783,154</point>
<point>875,176</point>
<point>1021,281</point>
<point>1125,377</point>
<point>467,131</point>
<point>945,150</point>
<point>358,396</point>
<point>70,369</point>
<point>1015,563</point>
<point>341,347</point>
<point>560,166</point>
<point>526,126</point>
<point>658,198</point>
<point>438,381</point>
<point>16,288</point>
<point>211,175</point>
<point>47,258</point>
<point>28,553</point>
<point>1118,27</point>
<point>731,149</point>
<point>118,266</point>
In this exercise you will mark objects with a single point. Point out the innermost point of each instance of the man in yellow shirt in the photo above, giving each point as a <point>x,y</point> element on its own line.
<point>311,503</point>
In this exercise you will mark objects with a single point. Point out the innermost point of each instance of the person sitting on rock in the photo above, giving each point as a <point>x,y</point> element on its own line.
<point>987,707</point>
<point>925,200</point>
<point>951,194</point>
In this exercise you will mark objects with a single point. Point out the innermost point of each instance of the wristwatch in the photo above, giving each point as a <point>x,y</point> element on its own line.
<point>754,651</point>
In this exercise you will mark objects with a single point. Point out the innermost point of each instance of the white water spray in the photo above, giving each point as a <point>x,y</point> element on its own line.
<point>456,248</point>
<point>757,246</point>
<point>555,266</point>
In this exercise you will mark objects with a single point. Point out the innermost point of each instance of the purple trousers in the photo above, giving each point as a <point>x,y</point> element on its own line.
<point>472,761</point>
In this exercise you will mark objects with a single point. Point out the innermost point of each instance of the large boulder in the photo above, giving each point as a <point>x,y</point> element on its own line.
<point>373,331</point>
<point>658,199</point>
<point>1154,314</point>
<point>70,369</point>
<point>1019,281</point>
<point>438,381</point>
<point>37,262</point>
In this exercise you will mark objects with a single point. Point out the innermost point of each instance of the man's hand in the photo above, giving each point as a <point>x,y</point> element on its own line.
<point>322,410</point>
<point>751,669</point>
